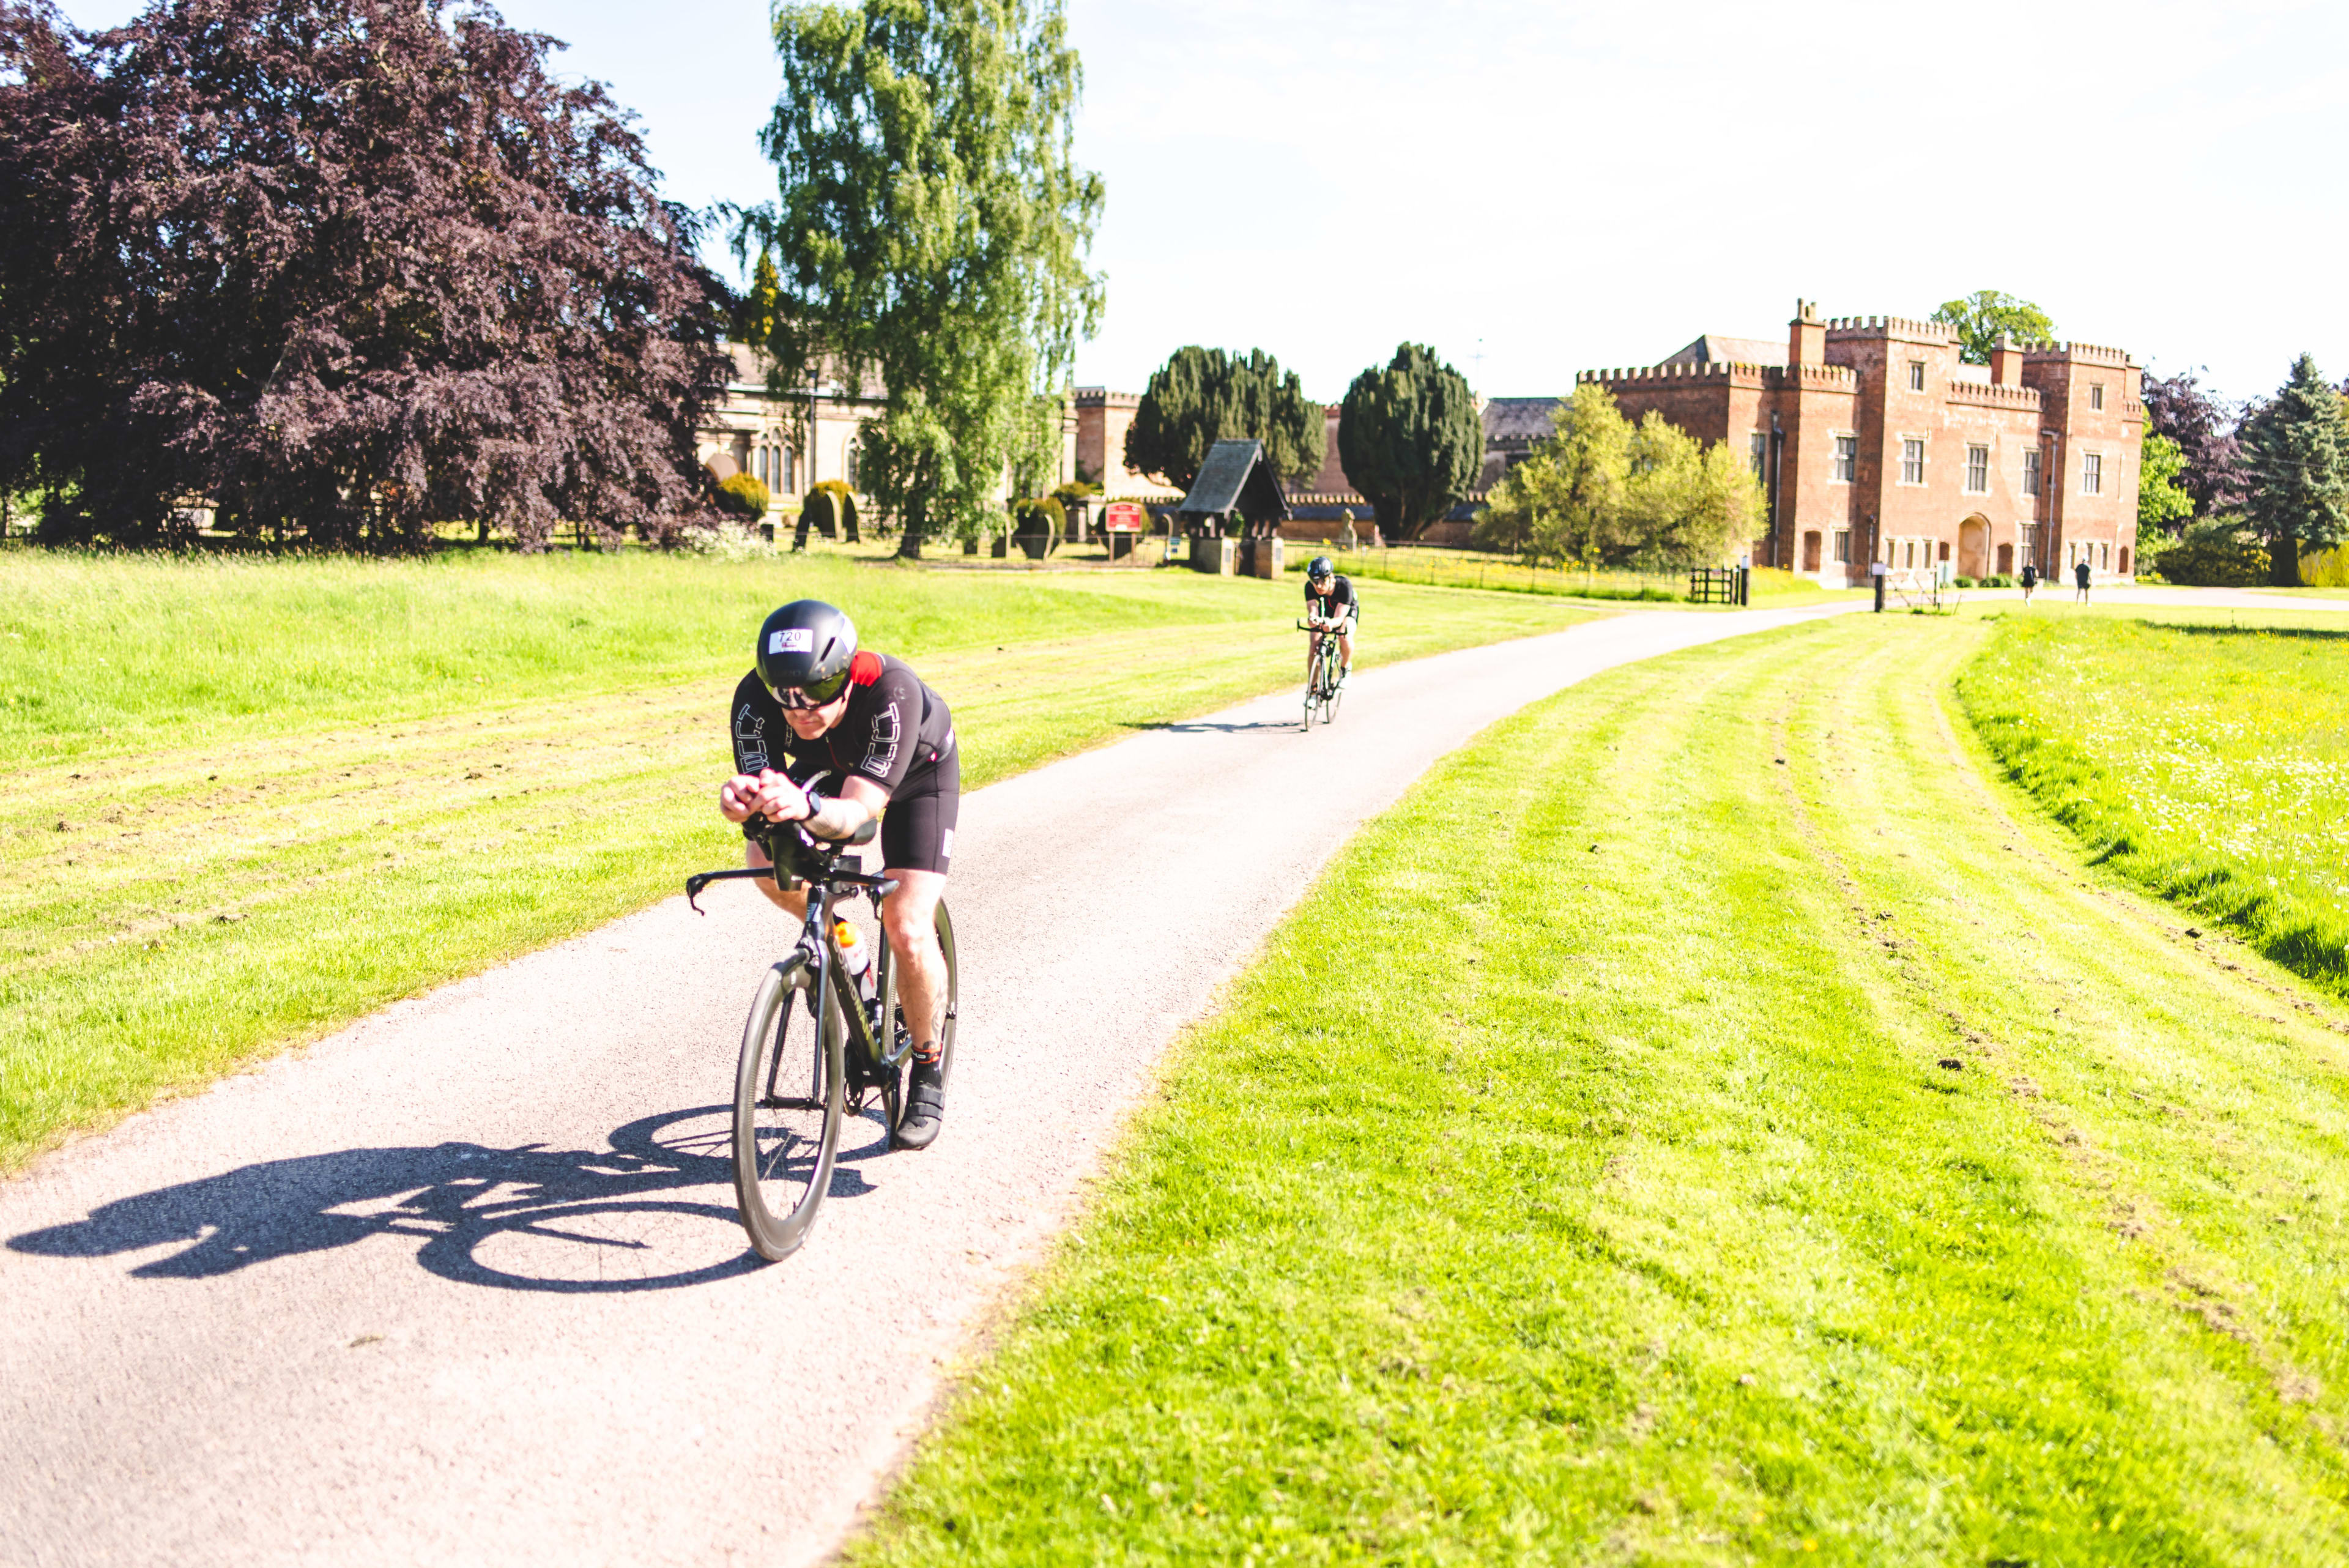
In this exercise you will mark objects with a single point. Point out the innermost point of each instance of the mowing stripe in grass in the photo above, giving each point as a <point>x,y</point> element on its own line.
<point>1576,1177</point>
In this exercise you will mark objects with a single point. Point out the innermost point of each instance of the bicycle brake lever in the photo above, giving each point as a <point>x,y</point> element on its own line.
<point>693,887</point>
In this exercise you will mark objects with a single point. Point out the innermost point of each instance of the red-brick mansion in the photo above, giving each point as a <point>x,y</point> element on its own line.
<point>1875,443</point>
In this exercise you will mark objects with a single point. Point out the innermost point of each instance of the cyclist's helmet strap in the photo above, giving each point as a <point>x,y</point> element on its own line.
<point>808,646</point>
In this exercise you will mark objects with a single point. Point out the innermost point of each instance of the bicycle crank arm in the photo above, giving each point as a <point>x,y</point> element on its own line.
<point>700,879</point>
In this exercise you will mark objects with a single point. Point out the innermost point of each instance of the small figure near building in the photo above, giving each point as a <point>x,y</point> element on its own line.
<point>2080,576</point>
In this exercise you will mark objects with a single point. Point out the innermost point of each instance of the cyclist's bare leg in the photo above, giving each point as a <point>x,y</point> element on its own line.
<point>910,917</point>
<point>1346,652</point>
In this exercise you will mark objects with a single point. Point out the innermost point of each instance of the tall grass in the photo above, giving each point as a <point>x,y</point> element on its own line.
<point>2208,763</point>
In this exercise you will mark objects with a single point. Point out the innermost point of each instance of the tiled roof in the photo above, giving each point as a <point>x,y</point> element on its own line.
<point>1233,471</point>
<point>1519,418</point>
<point>1714,348</point>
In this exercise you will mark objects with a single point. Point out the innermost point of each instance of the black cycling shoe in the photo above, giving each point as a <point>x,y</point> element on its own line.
<point>926,1105</point>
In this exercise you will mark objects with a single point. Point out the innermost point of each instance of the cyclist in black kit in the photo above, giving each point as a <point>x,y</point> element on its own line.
<point>1329,602</point>
<point>828,735</point>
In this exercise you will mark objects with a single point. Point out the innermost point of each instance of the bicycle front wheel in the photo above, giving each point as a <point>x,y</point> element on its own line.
<point>789,1100</point>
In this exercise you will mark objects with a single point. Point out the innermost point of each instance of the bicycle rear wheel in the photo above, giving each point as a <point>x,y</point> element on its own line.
<point>789,1100</point>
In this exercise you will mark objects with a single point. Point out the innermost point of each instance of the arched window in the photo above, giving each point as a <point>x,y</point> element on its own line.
<point>759,467</point>
<point>790,485</point>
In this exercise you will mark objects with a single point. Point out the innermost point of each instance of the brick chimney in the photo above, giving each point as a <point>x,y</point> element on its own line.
<point>2005,362</point>
<point>1806,335</point>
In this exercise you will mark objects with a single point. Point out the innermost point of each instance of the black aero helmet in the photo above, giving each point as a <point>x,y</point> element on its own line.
<point>1319,566</point>
<point>804,651</point>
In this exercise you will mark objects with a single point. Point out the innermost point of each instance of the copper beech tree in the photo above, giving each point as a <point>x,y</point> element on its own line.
<point>337,270</point>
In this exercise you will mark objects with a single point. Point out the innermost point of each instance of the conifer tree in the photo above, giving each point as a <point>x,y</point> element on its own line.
<point>1411,438</point>
<point>1201,395</point>
<point>2297,455</point>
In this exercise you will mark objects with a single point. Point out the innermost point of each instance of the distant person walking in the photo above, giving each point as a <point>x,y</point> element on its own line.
<point>2080,576</point>
<point>2030,580</point>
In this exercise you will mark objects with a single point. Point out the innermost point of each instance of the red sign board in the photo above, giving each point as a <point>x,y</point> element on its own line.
<point>1125,518</point>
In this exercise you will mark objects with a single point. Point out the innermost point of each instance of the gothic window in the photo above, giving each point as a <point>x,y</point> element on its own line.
<point>1912,461</point>
<point>2096,395</point>
<point>2031,471</point>
<point>1846,457</point>
<point>2092,474</point>
<point>1978,470</point>
<point>791,466</point>
<point>1916,375</point>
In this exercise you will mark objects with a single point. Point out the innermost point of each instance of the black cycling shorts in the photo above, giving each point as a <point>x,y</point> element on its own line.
<point>917,830</point>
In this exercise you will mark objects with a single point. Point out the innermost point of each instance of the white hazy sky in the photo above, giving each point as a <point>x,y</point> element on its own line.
<point>1534,189</point>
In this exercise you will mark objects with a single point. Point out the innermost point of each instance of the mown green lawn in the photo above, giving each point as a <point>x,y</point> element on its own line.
<point>2207,763</point>
<point>252,800</point>
<point>1710,1120</point>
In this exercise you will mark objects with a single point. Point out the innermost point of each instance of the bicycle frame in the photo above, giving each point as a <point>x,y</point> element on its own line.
<point>799,861</point>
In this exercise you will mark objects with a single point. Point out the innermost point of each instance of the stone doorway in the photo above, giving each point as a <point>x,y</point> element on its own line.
<point>1973,547</point>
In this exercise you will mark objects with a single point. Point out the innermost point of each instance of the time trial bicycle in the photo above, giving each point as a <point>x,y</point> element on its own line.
<point>1322,687</point>
<point>795,1082</point>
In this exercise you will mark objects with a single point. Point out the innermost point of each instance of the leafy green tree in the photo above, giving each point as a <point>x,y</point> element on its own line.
<point>1411,438</point>
<point>1983,314</point>
<point>2297,452</point>
<point>929,233</point>
<point>1686,504</point>
<point>2163,504</point>
<point>1562,502</point>
<point>1603,491</point>
<point>1201,395</point>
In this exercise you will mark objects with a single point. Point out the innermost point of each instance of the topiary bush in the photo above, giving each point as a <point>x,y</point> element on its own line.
<point>1037,526</point>
<point>742,495</point>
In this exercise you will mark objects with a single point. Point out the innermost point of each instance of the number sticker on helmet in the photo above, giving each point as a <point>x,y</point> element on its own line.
<point>791,639</point>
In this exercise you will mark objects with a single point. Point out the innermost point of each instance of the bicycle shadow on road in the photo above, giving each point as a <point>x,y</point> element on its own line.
<point>1204,727</point>
<point>619,1219</point>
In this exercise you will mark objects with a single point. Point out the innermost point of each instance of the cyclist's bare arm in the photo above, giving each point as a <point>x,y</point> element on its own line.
<point>860,800</point>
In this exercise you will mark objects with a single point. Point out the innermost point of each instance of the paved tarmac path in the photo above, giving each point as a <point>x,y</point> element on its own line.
<point>463,1282</point>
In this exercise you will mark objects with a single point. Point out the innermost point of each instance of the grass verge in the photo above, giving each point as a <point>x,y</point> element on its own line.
<point>250,801</point>
<point>2208,763</point>
<point>1698,1125</point>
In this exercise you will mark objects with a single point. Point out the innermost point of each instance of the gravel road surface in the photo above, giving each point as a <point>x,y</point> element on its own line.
<point>463,1282</point>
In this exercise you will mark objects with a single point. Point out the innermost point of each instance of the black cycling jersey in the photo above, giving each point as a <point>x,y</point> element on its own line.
<point>897,732</point>
<point>1336,602</point>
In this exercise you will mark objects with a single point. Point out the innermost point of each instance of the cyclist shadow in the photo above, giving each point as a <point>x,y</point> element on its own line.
<point>527,1219</point>
<point>1207,727</point>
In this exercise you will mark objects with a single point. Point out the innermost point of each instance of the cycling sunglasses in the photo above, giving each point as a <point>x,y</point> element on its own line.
<point>813,696</point>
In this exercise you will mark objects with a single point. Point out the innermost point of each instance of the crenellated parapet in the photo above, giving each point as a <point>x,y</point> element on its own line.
<point>2078,354</point>
<point>1984,395</point>
<point>1726,373</point>
<point>1906,327</point>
